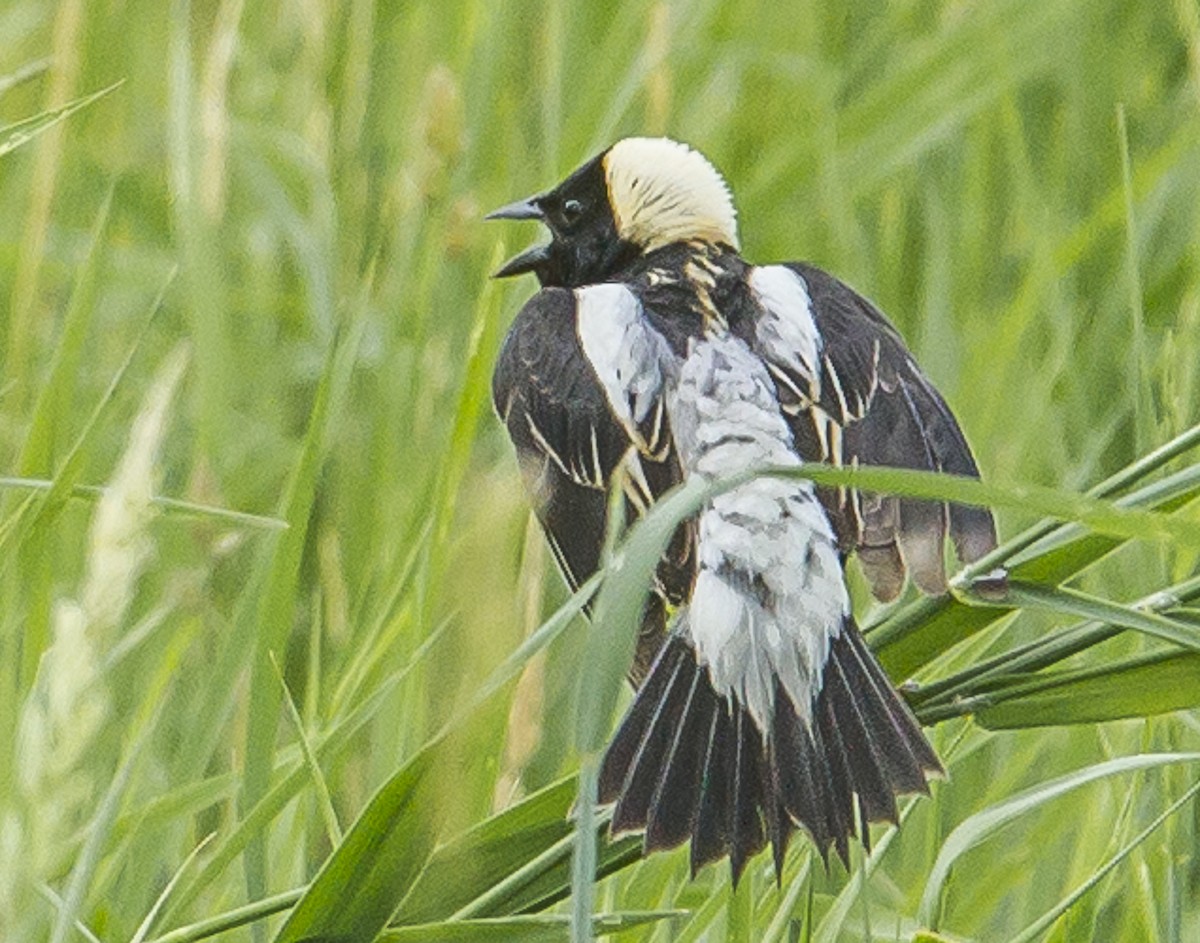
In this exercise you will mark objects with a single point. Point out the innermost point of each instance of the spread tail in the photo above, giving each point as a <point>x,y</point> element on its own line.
<point>688,762</point>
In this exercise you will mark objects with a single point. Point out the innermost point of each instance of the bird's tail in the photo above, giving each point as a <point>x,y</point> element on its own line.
<point>688,762</point>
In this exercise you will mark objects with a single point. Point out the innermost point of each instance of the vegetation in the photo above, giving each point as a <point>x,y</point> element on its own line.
<point>264,549</point>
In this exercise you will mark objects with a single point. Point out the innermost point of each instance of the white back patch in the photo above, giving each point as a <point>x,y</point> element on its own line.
<point>770,595</point>
<point>787,332</point>
<point>625,352</point>
<point>662,192</point>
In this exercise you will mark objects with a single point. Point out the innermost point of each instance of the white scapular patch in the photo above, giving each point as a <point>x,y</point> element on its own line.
<point>626,354</point>
<point>787,332</point>
<point>769,594</point>
<point>662,192</point>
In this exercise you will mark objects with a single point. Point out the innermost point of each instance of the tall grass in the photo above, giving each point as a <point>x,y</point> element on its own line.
<point>278,211</point>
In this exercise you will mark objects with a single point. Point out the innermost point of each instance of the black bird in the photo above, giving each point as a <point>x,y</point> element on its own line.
<point>654,352</point>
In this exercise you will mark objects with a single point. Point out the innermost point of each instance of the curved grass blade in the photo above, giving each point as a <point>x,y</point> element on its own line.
<point>533,928</point>
<point>912,635</point>
<point>328,745</point>
<point>619,604</point>
<point>52,407</point>
<point>474,862</point>
<point>1139,687</point>
<point>1064,601</point>
<point>22,132</point>
<point>609,648</point>
<point>549,882</point>
<point>1103,517</point>
<point>266,618</point>
<point>147,923</point>
<point>1020,663</point>
<point>369,873</point>
<point>357,889</point>
<point>983,825</point>
<point>1044,922</point>
<point>231,919</point>
<point>167,505</point>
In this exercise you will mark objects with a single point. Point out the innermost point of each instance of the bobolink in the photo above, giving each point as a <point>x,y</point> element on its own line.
<point>655,352</point>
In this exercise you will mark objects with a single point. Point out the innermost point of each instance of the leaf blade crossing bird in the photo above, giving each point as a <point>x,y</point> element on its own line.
<point>655,352</point>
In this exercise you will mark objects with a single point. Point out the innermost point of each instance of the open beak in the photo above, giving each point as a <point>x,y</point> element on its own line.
<point>534,256</point>
<point>522,209</point>
<point>528,261</point>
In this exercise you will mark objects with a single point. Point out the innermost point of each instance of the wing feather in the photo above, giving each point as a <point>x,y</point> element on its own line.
<point>576,387</point>
<point>862,400</point>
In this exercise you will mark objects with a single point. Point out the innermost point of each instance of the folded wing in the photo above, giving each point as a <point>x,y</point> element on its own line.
<point>854,396</point>
<point>571,441</point>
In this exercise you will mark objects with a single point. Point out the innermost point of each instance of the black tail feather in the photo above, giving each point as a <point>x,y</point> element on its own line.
<point>710,838</point>
<point>905,755</point>
<point>876,797</point>
<point>672,810</point>
<point>624,749</point>
<point>831,756</point>
<point>806,792</point>
<point>779,829</point>
<point>690,763</point>
<point>905,728</point>
<point>746,836</point>
<point>641,781</point>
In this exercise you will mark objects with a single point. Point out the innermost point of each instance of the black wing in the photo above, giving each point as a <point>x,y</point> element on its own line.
<point>871,405</point>
<point>569,445</point>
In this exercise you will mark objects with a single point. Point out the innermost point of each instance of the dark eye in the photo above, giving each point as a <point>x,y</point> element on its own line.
<point>572,210</point>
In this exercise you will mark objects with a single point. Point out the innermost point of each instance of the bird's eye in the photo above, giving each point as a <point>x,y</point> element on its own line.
<point>572,210</point>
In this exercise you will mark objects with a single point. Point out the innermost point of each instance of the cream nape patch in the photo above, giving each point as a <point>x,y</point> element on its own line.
<point>662,191</point>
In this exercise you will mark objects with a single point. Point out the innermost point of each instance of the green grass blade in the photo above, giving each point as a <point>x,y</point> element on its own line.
<point>22,132</point>
<point>618,607</point>
<point>471,864</point>
<point>1043,923</point>
<point>1071,602</point>
<point>147,924</point>
<point>983,825</point>
<point>533,928</point>
<point>1103,517</point>
<point>37,449</point>
<point>1071,549</point>
<point>98,832</point>
<point>169,506</point>
<point>918,631</point>
<point>54,900</point>
<point>281,562</point>
<point>362,883</point>
<point>232,919</point>
<point>547,880</point>
<point>1048,649</point>
<point>830,927</point>
<point>357,889</point>
<point>329,746</point>
<point>53,405</point>
<point>333,828</point>
<point>583,859</point>
<point>1138,687</point>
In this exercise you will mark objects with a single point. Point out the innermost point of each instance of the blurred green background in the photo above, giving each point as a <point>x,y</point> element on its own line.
<point>280,208</point>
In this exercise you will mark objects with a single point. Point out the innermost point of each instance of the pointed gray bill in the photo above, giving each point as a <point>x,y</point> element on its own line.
<point>531,258</point>
<point>527,261</point>
<point>521,209</point>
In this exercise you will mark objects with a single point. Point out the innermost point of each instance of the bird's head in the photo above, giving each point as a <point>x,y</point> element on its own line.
<point>639,195</point>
